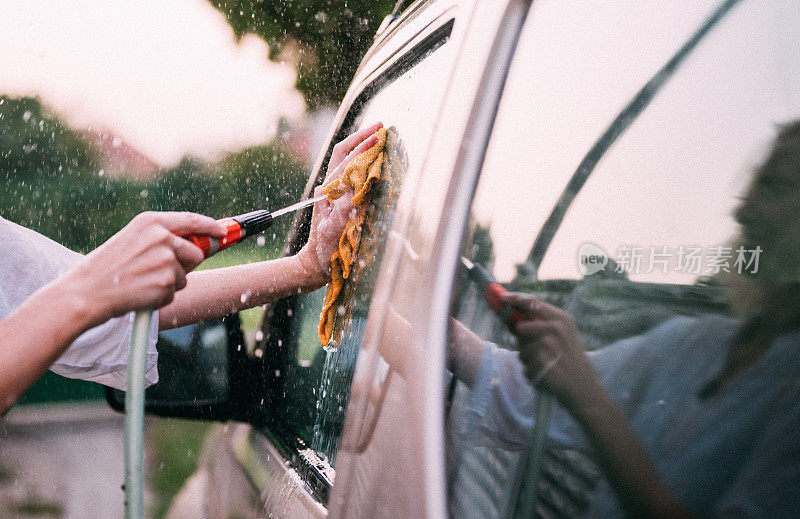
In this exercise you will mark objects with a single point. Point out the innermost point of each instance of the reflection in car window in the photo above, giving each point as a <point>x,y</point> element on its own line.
<point>647,261</point>
<point>320,378</point>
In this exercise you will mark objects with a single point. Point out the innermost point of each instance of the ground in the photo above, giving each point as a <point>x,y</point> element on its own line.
<point>62,461</point>
<point>67,461</point>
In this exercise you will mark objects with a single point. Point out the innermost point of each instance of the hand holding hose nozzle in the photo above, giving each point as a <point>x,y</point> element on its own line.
<point>237,228</point>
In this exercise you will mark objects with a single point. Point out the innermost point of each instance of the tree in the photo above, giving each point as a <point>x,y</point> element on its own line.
<point>52,181</point>
<point>333,36</point>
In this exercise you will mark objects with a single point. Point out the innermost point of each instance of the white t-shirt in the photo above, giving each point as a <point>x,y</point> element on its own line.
<point>29,261</point>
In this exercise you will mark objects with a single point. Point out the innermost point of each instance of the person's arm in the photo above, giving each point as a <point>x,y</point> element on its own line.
<point>139,267</point>
<point>465,351</point>
<point>551,350</point>
<point>219,292</point>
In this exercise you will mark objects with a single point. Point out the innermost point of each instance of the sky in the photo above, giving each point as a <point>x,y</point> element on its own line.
<point>674,177</point>
<point>167,77</point>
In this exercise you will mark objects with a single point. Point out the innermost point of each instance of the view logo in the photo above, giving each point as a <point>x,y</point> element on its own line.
<point>591,259</point>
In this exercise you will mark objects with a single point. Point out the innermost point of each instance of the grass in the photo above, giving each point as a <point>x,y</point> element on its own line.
<point>245,252</point>
<point>34,506</point>
<point>6,474</point>
<point>174,448</point>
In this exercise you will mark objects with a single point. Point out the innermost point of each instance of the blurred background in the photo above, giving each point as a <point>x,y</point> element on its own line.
<point>107,110</point>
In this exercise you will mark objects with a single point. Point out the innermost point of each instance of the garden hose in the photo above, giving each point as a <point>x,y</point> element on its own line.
<point>134,416</point>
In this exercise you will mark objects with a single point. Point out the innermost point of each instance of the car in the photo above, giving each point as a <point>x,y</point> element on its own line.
<point>591,157</point>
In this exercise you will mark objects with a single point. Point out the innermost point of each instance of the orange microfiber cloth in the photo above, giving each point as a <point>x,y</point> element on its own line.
<point>360,175</point>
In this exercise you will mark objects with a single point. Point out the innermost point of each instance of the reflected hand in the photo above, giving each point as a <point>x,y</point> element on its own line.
<point>329,218</point>
<point>142,266</point>
<point>551,349</point>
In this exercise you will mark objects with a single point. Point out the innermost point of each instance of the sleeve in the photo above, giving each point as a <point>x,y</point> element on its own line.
<point>769,481</point>
<point>101,354</point>
<point>500,411</point>
<point>502,403</point>
<point>29,261</point>
<point>502,406</point>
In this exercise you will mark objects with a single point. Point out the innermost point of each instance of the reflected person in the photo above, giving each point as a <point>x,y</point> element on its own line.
<point>697,417</point>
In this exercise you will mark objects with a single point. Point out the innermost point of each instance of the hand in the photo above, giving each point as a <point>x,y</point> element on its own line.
<point>141,266</point>
<point>329,218</point>
<point>551,349</point>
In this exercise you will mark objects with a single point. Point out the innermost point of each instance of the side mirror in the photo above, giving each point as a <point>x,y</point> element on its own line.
<point>204,373</point>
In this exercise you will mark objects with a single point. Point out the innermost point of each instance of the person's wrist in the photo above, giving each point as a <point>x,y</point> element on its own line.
<point>311,273</point>
<point>79,298</point>
<point>587,398</point>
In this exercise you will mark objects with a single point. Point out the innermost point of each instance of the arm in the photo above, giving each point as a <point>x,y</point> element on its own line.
<point>139,267</point>
<point>551,349</point>
<point>219,292</point>
<point>465,351</point>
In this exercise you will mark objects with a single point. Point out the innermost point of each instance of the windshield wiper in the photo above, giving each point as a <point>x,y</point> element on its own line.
<point>621,123</point>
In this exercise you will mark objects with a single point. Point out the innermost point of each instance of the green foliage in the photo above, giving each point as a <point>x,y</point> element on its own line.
<point>53,185</point>
<point>34,506</point>
<point>175,449</point>
<point>33,144</point>
<point>481,246</point>
<point>255,178</point>
<point>333,34</point>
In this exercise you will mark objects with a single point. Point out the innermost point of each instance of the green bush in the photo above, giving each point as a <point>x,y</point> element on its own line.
<point>53,183</point>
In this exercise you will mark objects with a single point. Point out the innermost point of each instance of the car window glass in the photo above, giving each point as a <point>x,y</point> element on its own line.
<point>318,379</point>
<point>646,261</point>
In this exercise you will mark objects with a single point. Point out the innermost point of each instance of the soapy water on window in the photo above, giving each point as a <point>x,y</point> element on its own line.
<point>352,305</point>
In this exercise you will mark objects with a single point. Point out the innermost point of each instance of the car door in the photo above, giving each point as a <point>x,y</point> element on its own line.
<point>626,135</point>
<point>390,461</point>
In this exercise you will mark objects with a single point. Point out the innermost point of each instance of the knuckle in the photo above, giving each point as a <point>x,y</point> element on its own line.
<point>164,282</point>
<point>159,234</point>
<point>166,257</point>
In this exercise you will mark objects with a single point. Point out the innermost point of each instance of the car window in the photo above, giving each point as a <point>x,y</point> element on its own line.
<point>316,380</point>
<point>669,229</point>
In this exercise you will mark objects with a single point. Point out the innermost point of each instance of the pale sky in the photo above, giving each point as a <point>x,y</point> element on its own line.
<point>167,77</point>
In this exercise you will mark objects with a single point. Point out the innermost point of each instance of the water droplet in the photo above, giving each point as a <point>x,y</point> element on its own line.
<point>259,336</point>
